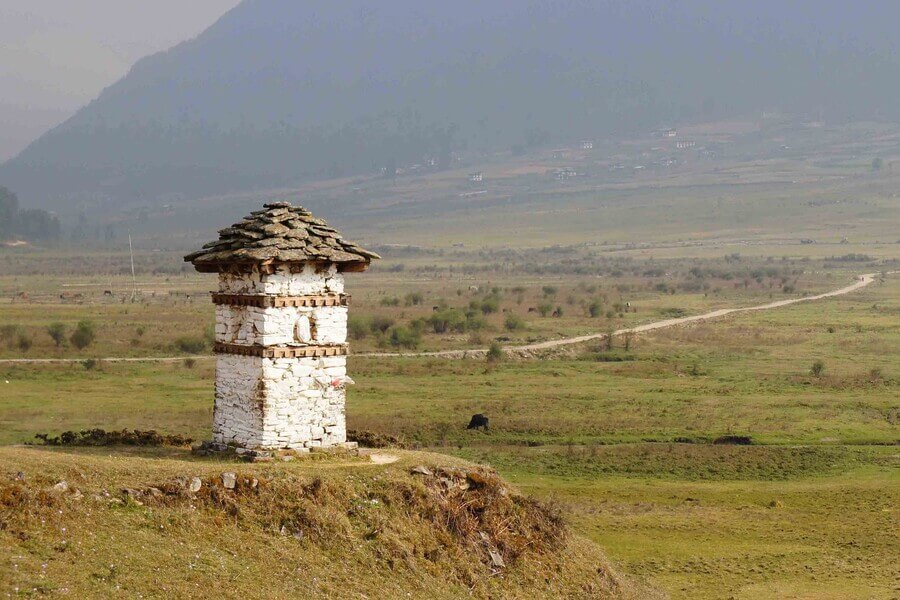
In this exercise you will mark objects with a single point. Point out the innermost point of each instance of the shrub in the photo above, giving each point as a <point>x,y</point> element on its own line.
<point>545,308</point>
<point>595,309</point>
<point>513,322</point>
<point>380,323</point>
<point>549,290</point>
<point>191,345</point>
<point>100,437</point>
<point>474,321</point>
<point>413,299</point>
<point>139,331</point>
<point>90,364</point>
<point>390,301</point>
<point>734,440</point>
<point>57,332</point>
<point>189,363</point>
<point>403,337</point>
<point>358,327</point>
<point>495,353</point>
<point>817,368</point>
<point>489,305</point>
<point>84,335</point>
<point>24,342</point>
<point>447,320</point>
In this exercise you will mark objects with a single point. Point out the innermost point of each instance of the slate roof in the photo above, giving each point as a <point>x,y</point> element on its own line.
<point>280,233</point>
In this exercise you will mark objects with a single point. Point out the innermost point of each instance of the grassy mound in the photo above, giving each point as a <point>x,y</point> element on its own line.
<point>138,522</point>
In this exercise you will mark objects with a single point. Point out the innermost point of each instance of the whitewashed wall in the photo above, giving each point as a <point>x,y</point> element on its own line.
<point>249,325</point>
<point>284,283</point>
<point>283,402</point>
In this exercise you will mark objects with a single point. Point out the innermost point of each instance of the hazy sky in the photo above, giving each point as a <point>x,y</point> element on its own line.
<point>57,55</point>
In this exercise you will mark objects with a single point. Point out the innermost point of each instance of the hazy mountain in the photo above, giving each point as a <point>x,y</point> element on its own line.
<point>279,91</point>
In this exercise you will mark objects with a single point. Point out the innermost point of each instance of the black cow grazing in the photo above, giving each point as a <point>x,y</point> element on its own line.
<point>478,421</point>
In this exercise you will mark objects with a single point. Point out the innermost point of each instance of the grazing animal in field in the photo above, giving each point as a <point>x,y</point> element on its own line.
<point>478,421</point>
<point>532,309</point>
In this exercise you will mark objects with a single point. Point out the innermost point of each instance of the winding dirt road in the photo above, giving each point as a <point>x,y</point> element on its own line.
<point>529,349</point>
<point>861,282</point>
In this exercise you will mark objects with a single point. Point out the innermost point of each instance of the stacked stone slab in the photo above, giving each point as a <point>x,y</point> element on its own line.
<point>281,329</point>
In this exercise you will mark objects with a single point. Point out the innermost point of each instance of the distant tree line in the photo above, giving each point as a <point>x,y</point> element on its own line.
<point>32,224</point>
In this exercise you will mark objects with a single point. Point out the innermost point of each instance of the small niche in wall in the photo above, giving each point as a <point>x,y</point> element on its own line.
<point>305,330</point>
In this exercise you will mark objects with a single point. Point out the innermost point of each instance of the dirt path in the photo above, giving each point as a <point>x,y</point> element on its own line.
<point>861,282</point>
<point>526,350</point>
<point>379,458</point>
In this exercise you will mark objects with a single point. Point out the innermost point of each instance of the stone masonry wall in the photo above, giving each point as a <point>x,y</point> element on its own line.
<point>250,325</point>
<point>283,402</point>
<point>284,283</point>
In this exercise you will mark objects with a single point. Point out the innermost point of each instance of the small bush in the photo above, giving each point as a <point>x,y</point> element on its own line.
<point>358,327</point>
<point>100,437</point>
<point>84,335</point>
<point>446,320</point>
<point>372,439</point>
<point>189,363</point>
<point>595,309</point>
<point>490,305</point>
<point>513,322</point>
<point>57,332</point>
<point>24,342</point>
<point>495,353</point>
<point>380,323</point>
<point>190,345</point>
<point>734,440</point>
<point>405,337</point>
<point>817,368</point>
<point>90,364</point>
<point>390,301</point>
<point>413,299</point>
<point>544,308</point>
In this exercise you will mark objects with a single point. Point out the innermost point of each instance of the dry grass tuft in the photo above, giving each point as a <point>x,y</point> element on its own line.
<point>372,439</point>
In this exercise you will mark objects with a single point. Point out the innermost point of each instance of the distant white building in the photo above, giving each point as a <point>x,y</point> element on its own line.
<point>476,177</point>
<point>685,144</point>
<point>587,145</point>
<point>564,173</point>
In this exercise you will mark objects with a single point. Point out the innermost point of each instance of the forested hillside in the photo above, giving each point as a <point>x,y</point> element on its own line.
<point>279,91</point>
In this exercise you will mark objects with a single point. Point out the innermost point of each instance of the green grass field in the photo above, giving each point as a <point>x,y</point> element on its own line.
<point>622,439</point>
<point>807,509</point>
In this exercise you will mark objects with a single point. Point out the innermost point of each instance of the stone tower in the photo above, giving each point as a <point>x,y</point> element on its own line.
<point>281,329</point>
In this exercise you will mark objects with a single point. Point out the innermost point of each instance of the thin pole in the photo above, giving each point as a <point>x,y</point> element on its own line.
<point>133,279</point>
